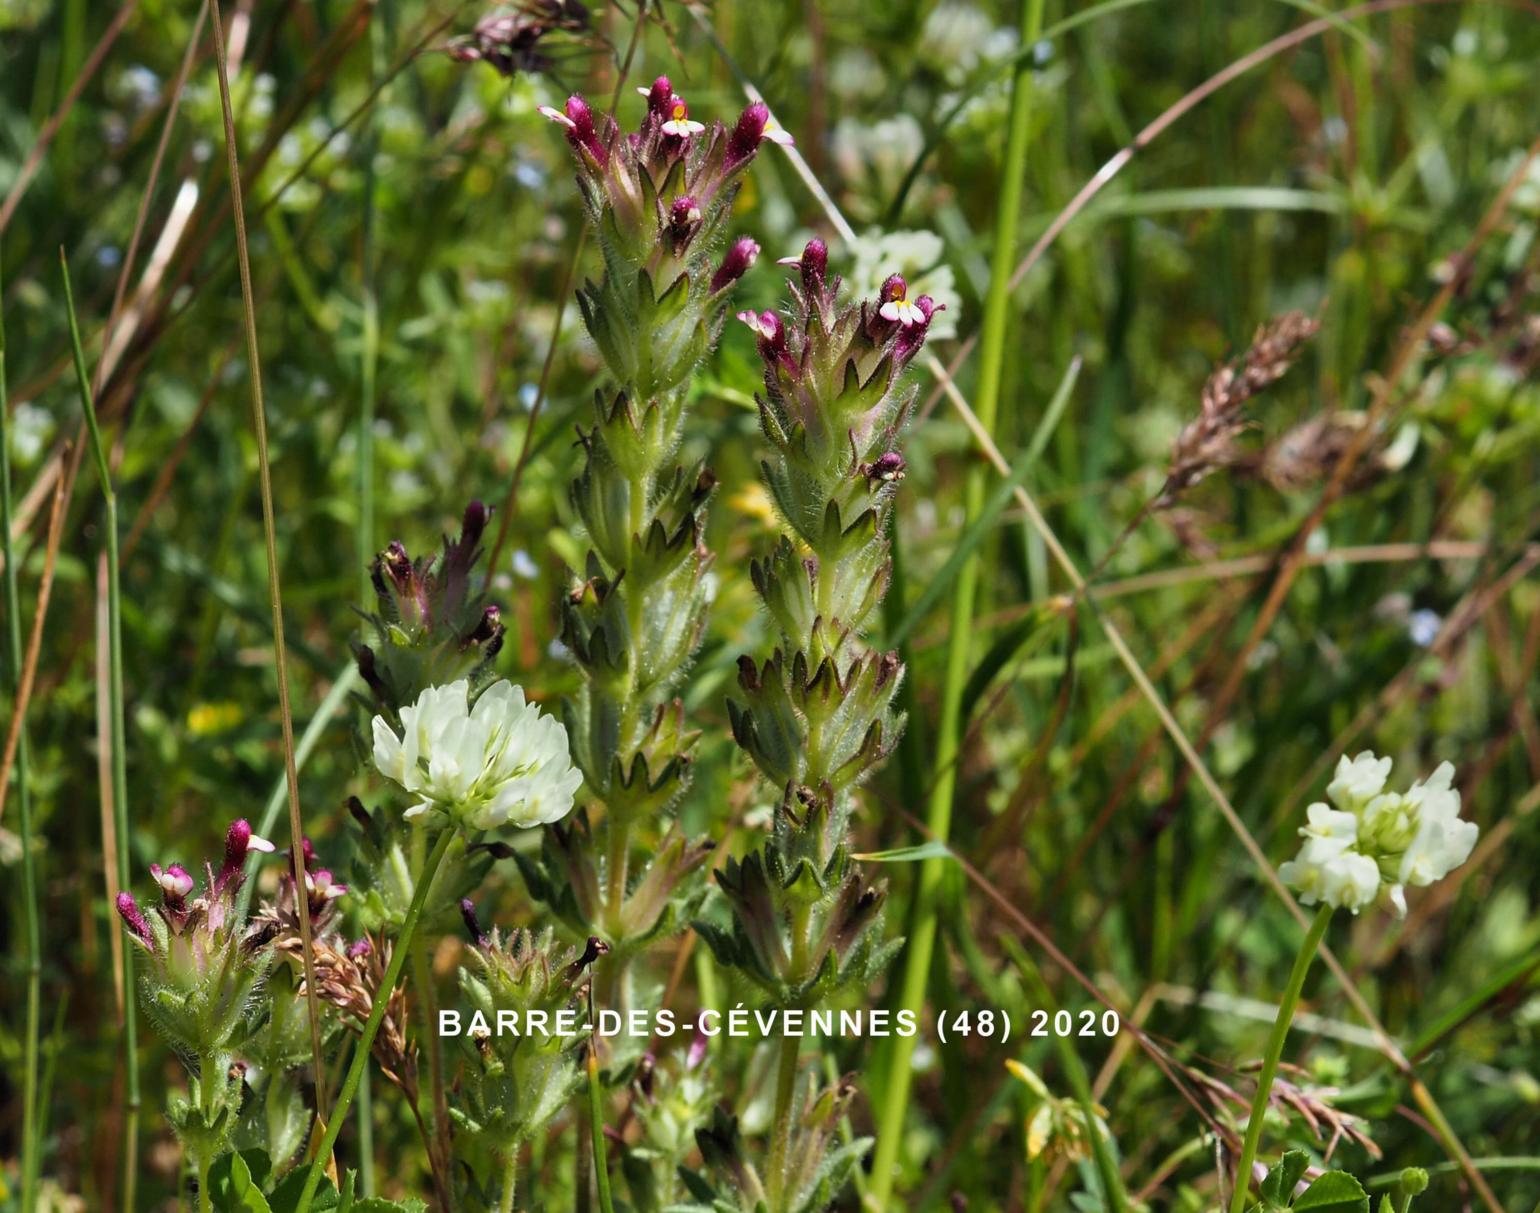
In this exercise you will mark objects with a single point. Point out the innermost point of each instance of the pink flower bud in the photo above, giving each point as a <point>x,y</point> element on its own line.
<point>746,136</point>
<point>473,523</point>
<point>578,119</point>
<point>740,257</point>
<point>659,96</point>
<point>814,264</point>
<point>239,840</point>
<point>885,469</point>
<point>128,910</point>
<point>472,923</point>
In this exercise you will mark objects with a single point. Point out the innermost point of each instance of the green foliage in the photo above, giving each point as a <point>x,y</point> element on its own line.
<point>433,330</point>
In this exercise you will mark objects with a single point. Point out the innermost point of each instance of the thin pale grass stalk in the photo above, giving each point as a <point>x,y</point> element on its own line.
<point>274,588</point>
<point>16,745</point>
<point>24,662</point>
<point>50,129</point>
<point>118,743</point>
<point>360,1061</point>
<point>922,931</point>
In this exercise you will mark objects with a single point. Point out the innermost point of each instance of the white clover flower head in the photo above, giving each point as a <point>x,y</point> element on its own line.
<point>1358,781</point>
<point>1378,840</point>
<point>499,762</point>
<point>679,123</point>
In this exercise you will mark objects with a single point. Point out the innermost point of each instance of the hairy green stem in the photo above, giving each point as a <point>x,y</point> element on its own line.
<point>119,765</point>
<point>917,956</point>
<point>31,1145</point>
<point>510,1183</point>
<point>360,1061</point>
<point>781,1125</point>
<point>1302,961</point>
<point>205,1197</point>
<point>207,1067</point>
<point>427,1005</point>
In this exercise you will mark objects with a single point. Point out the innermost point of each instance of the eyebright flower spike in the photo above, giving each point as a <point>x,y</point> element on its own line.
<point>1376,841</point>
<point>499,762</point>
<point>430,625</point>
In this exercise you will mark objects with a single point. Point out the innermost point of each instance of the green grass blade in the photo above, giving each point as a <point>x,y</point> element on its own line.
<point>118,741</point>
<point>978,529</point>
<point>31,1143</point>
<point>917,952</point>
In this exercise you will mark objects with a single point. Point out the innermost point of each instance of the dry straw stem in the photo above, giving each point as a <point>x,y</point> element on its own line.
<point>34,643</point>
<point>275,593</point>
<point>1067,565</point>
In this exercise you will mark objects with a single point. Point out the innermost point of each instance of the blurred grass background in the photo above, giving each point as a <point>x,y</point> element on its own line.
<point>412,223</point>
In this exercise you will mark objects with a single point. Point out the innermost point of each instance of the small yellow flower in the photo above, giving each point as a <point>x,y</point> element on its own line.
<point>206,719</point>
<point>754,502</point>
<point>1056,1128</point>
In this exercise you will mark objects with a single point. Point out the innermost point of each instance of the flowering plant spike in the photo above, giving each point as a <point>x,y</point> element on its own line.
<point>658,201</point>
<point>817,717</point>
<point>430,624</point>
<point>198,984</point>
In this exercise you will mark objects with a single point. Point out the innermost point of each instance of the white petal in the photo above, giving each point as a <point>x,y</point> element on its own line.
<point>889,310</point>
<point>388,757</point>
